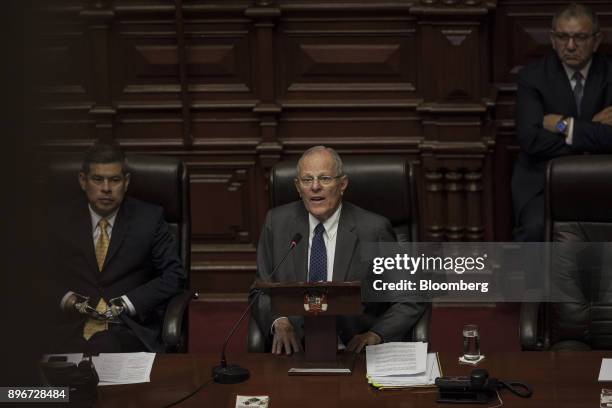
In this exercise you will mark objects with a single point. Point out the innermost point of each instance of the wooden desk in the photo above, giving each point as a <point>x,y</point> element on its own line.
<point>559,380</point>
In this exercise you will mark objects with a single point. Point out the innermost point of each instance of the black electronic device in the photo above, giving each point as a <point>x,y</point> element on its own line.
<point>478,388</point>
<point>82,379</point>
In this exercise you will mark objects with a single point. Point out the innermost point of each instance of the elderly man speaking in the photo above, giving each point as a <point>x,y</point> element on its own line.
<point>336,232</point>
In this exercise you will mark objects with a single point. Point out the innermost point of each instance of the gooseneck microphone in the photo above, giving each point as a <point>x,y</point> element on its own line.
<point>232,374</point>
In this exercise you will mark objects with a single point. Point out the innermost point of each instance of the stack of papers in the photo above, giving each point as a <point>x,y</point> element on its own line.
<point>400,365</point>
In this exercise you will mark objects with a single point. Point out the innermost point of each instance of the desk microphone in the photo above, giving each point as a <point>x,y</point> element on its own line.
<point>232,374</point>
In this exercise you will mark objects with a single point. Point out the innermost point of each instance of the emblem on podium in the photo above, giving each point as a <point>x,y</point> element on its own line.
<point>315,302</point>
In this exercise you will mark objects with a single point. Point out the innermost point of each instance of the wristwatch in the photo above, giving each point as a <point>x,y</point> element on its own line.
<point>562,125</point>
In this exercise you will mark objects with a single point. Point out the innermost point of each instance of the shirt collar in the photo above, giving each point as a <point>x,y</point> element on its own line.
<point>330,225</point>
<point>584,71</point>
<point>95,218</point>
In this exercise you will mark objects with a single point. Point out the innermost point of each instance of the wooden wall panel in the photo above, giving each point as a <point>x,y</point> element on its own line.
<point>233,86</point>
<point>229,186</point>
<point>348,59</point>
<point>453,43</point>
<point>347,125</point>
<point>230,127</point>
<point>220,61</point>
<point>144,63</point>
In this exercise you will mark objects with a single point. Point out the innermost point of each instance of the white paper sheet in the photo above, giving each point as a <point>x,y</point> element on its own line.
<point>396,358</point>
<point>124,368</point>
<point>605,372</point>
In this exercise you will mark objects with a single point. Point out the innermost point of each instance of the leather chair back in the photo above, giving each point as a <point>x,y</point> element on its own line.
<point>579,208</point>
<point>381,184</point>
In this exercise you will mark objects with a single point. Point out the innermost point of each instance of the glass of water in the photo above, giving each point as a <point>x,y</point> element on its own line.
<point>471,342</point>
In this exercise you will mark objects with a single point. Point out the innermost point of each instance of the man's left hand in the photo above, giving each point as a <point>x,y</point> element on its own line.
<point>358,342</point>
<point>604,117</point>
<point>116,306</point>
<point>550,122</point>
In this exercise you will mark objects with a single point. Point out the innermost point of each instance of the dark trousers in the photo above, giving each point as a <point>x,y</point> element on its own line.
<point>530,221</point>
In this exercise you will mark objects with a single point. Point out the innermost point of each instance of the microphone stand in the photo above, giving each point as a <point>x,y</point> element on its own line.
<point>232,374</point>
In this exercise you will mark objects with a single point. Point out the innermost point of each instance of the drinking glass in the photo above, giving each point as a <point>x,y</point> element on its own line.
<point>471,342</point>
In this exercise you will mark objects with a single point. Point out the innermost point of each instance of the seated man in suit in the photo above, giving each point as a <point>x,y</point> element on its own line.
<point>335,233</point>
<point>563,107</point>
<point>116,264</point>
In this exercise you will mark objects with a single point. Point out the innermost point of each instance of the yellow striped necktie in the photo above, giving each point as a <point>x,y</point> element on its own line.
<point>93,326</point>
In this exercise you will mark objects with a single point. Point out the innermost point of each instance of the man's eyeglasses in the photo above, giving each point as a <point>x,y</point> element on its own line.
<point>323,180</point>
<point>580,38</point>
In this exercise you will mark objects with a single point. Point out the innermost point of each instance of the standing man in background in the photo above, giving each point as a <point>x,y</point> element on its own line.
<point>564,107</point>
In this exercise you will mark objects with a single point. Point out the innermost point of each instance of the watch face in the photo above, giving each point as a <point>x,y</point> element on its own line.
<point>561,126</point>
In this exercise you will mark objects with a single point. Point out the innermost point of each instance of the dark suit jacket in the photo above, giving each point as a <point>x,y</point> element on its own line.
<point>355,228</point>
<point>142,262</point>
<point>543,88</point>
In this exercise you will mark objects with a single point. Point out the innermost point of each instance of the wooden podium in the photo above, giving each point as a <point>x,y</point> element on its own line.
<point>319,303</point>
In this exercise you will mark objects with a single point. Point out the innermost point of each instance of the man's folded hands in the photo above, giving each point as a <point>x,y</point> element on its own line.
<point>80,304</point>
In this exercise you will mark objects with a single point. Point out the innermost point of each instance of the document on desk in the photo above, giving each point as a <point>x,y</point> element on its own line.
<point>605,372</point>
<point>399,365</point>
<point>396,358</point>
<point>423,379</point>
<point>124,368</point>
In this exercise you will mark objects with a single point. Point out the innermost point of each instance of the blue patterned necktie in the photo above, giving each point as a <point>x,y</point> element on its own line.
<point>578,90</point>
<point>318,256</point>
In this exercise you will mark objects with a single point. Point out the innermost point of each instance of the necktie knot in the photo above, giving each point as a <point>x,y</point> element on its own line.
<point>578,76</point>
<point>103,223</point>
<point>319,229</point>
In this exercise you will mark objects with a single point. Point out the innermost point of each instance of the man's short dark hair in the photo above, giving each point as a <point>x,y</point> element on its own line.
<point>575,10</point>
<point>103,153</point>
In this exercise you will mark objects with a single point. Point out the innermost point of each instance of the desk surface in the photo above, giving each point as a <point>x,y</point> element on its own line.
<point>558,379</point>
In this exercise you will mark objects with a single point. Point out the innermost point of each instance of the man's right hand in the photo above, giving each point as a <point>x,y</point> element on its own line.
<point>285,338</point>
<point>604,117</point>
<point>76,303</point>
<point>69,305</point>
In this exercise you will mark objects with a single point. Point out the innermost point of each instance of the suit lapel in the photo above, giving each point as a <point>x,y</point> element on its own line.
<point>300,253</point>
<point>84,240</point>
<point>118,234</point>
<point>346,240</point>
<point>595,84</point>
<point>561,87</point>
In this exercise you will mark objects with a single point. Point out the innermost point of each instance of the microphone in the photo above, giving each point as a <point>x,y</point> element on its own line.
<point>232,374</point>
